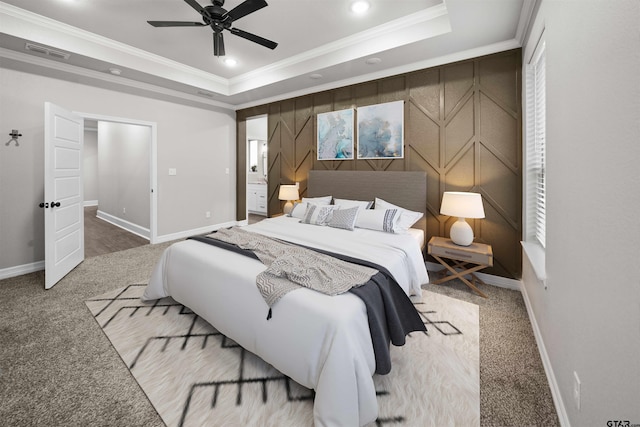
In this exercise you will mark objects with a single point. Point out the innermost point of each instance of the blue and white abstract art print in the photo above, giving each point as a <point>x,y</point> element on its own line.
<point>335,135</point>
<point>381,131</point>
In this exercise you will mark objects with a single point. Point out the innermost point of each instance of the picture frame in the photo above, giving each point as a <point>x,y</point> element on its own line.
<point>381,131</point>
<point>335,135</point>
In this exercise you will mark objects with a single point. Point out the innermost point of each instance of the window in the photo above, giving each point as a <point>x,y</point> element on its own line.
<point>535,161</point>
<point>535,146</point>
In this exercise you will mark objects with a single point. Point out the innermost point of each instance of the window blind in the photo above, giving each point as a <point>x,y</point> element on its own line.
<point>536,147</point>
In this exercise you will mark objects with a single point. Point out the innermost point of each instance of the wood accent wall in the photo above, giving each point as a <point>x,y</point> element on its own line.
<point>462,125</point>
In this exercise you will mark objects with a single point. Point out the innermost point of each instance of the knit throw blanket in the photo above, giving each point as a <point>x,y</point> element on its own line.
<point>290,267</point>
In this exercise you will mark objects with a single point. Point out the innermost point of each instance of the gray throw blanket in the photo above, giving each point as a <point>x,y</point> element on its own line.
<point>290,266</point>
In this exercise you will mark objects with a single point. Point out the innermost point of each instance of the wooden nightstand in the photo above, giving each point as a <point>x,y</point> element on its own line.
<point>466,260</point>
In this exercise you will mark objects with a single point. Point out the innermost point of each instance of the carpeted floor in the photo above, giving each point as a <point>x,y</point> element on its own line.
<point>57,368</point>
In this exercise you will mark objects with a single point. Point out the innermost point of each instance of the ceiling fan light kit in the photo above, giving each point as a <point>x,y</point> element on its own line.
<point>219,19</point>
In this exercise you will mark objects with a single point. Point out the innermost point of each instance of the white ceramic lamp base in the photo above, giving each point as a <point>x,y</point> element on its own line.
<point>287,207</point>
<point>461,233</point>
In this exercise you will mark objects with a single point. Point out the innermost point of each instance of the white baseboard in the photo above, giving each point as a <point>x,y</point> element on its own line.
<point>19,270</point>
<point>125,225</point>
<point>194,232</point>
<point>90,203</point>
<point>548,369</point>
<point>490,279</point>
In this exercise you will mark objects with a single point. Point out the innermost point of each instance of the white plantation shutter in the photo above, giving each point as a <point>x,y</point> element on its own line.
<point>536,141</point>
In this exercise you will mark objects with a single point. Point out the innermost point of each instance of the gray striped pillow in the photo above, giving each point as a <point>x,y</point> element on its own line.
<point>318,215</point>
<point>344,218</point>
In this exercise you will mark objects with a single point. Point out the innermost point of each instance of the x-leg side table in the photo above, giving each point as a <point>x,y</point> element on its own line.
<point>464,260</point>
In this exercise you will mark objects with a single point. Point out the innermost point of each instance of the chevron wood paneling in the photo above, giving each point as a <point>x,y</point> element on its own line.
<point>462,127</point>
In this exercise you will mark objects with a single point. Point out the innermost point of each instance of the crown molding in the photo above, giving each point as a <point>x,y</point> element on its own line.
<point>527,14</point>
<point>415,66</point>
<point>122,83</point>
<point>422,25</point>
<point>40,29</point>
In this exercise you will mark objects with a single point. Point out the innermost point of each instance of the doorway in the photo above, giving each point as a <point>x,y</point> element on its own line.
<point>122,217</point>
<point>257,168</point>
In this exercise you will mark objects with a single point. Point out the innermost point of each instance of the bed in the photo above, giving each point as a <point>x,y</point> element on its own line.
<point>322,342</point>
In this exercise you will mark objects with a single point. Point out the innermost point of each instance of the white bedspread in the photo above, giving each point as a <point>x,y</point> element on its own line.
<point>321,342</point>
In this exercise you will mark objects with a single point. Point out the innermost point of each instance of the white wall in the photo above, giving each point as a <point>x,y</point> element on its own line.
<point>589,317</point>
<point>199,143</point>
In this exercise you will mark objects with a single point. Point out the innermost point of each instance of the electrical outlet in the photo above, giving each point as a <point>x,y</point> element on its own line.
<point>207,214</point>
<point>124,210</point>
<point>173,171</point>
<point>576,390</point>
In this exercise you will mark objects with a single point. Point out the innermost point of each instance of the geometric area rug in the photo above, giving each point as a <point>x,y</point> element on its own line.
<point>195,376</point>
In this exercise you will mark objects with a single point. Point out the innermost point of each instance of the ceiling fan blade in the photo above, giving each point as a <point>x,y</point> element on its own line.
<point>245,8</point>
<point>256,39</point>
<point>176,24</point>
<point>194,4</point>
<point>218,44</point>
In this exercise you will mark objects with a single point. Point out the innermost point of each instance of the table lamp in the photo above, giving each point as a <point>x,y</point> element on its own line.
<point>463,205</point>
<point>288,193</point>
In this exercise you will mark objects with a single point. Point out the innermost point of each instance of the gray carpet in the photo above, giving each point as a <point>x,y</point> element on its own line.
<point>58,368</point>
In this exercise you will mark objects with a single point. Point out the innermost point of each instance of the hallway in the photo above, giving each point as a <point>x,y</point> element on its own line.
<point>101,237</point>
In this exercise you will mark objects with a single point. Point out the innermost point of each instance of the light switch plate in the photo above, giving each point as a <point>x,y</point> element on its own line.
<point>173,171</point>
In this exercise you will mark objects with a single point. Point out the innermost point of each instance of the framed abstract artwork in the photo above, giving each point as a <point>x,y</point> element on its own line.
<point>335,135</point>
<point>381,131</point>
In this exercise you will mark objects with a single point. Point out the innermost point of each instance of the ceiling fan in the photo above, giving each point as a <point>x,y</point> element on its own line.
<point>220,19</point>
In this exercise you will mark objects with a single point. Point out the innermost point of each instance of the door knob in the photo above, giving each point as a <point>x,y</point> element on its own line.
<point>44,205</point>
<point>55,204</point>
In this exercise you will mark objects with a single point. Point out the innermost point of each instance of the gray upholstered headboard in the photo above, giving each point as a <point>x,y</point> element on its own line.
<point>405,189</point>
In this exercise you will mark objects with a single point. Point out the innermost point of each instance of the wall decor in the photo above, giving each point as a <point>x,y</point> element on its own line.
<point>335,135</point>
<point>466,135</point>
<point>381,131</point>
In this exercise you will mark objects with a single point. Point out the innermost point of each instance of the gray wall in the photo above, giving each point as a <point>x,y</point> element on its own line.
<point>90,164</point>
<point>199,143</point>
<point>589,316</point>
<point>123,171</point>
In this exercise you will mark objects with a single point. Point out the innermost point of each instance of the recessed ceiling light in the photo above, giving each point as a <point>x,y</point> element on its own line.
<point>230,62</point>
<point>315,76</point>
<point>115,71</point>
<point>373,61</point>
<point>359,7</point>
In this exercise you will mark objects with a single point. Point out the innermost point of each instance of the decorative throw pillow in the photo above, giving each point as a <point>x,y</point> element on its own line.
<point>344,218</point>
<point>324,200</point>
<point>345,203</point>
<point>377,219</point>
<point>298,210</point>
<point>317,214</point>
<point>407,217</point>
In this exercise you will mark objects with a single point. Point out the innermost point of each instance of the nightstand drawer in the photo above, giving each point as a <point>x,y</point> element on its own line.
<point>476,253</point>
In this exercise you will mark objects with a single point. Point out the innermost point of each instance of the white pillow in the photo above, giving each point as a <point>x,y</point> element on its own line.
<point>407,217</point>
<point>318,214</point>
<point>345,203</point>
<point>324,200</point>
<point>344,218</point>
<point>298,210</point>
<point>378,219</point>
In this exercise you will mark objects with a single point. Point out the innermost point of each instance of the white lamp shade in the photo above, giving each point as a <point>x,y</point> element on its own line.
<point>288,192</point>
<point>462,205</point>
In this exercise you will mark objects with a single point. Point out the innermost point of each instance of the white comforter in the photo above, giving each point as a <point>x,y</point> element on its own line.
<point>321,342</point>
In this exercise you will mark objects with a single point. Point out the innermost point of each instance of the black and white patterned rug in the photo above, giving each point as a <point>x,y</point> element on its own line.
<point>195,376</point>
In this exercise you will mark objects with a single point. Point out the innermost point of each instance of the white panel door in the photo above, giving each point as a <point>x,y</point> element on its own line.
<point>63,192</point>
